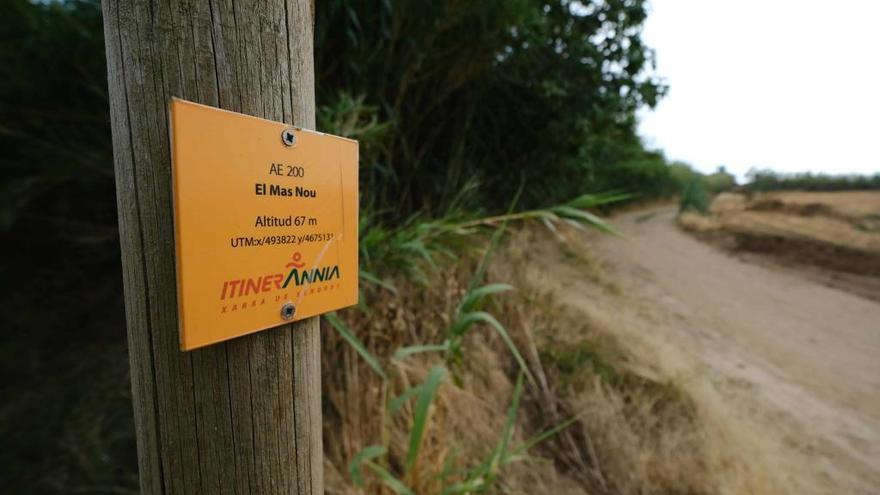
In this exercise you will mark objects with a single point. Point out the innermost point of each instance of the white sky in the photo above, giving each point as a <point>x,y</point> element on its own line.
<point>782,84</point>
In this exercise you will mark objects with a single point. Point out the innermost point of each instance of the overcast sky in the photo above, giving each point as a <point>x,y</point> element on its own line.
<point>782,84</point>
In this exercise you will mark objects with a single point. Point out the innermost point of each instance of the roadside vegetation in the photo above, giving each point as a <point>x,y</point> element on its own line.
<point>696,190</point>
<point>768,180</point>
<point>536,397</point>
<point>474,119</point>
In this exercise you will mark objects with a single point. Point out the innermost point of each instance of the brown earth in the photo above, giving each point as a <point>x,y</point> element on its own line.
<point>852,204</point>
<point>833,237</point>
<point>794,361</point>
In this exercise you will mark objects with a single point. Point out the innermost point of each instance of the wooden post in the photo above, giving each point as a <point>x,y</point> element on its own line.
<point>242,417</point>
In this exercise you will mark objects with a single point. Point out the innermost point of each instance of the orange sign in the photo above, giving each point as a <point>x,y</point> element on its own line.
<point>265,220</point>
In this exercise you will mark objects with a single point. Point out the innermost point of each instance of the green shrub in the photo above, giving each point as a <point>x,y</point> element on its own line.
<point>719,181</point>
<point>694,197</point>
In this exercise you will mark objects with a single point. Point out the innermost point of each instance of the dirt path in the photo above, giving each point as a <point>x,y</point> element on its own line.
<point>800,358</point>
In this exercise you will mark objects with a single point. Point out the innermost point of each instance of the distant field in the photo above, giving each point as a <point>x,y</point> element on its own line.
<point>853,203</point>
<point>836,232</point>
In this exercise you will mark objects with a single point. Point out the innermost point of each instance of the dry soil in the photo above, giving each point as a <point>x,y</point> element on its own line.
<point>798,359</point>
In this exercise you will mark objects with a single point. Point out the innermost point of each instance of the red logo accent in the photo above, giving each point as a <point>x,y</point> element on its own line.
<point>296,263</point>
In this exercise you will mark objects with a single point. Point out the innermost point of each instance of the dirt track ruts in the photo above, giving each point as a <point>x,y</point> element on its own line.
<point>801,357</point>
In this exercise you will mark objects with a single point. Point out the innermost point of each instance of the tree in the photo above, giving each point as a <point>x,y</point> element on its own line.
<point>497,92</point>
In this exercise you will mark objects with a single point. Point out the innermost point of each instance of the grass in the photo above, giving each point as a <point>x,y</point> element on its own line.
<point>572,360</point>
<point>468,314</point>
<point>694,197</point>
<point>415,248</point>
<point>421,404</point>
<point>412,252</point>
<point>411,479</point>
<point>437,437</point>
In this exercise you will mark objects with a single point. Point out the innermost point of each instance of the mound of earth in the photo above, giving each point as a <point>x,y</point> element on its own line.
<point>830,234</point>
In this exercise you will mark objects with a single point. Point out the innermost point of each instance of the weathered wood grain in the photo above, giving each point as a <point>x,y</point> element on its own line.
<point>242,417</point>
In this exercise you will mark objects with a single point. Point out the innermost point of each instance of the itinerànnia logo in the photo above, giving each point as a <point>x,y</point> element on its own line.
<point>296,275</point>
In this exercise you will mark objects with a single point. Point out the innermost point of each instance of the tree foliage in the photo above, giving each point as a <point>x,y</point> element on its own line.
<point>495,92</point>
<point>768,180</point>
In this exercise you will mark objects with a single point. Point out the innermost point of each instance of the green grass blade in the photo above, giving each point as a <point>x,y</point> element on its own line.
<point>470,486</point>
<point>418,247</point>
<point>487,256</point>
<point>482,316</point>
<point>507,436</point>
<point>584,217</point>
<point>473,297</point>
<point>390,481</point>
<point>424,399</point>
<point>405,352</point>
<point>358,346</point>
<point>367,453</point>
<point>591,200</point>
<point>535,440</point>
<point>398,402</point>
<point>369,277</point>
<point>464,321</point>
<point>449,465</point>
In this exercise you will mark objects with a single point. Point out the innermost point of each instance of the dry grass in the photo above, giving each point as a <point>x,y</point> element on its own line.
<point>638,432</point>
<point>833,235</point>
<point>466,420</point>
<point>697,223</point>
<point>838,218</point>
<point>658,424</point>
<point>641,428</point>
<point>853,204</point>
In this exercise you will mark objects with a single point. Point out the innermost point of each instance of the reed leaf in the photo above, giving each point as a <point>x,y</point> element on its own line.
<point>424,399</point>
<point>365,454</point>
<point>358,346</point>
<point>405,352</point>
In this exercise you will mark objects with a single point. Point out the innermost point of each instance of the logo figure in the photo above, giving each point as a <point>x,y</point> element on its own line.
<point>297,261</point>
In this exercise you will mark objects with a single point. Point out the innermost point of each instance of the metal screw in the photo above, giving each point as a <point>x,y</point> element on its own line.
<point>288,137</point>
<point>287,311</point>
